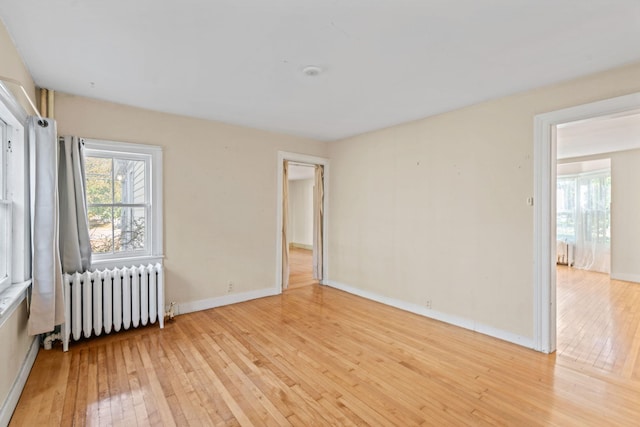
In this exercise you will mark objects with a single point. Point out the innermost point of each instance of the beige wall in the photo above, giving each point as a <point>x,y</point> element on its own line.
<point>15,345</point>
<point>11,66</point>
<point>13,332</point>
<point>436,209</point>
<point>219,192</point>
<point>625,215</point>
<point>301,212</point>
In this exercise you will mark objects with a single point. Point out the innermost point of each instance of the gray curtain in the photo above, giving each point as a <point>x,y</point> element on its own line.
<point>47,303</point>
<point>75,247</point>
<point>318,215</point>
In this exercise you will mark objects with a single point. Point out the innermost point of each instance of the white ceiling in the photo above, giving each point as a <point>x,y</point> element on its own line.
<point>581,167</point>
<point>599,135</point>
<point>385,61</point>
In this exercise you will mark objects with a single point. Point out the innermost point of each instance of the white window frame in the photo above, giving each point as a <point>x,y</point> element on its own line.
<point>152,154</point>
<point>5,203</point>
<point>16,172</point>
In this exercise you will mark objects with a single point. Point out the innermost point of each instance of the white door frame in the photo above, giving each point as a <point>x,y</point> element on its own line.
<point>302,158</point>
<point>544,214</point>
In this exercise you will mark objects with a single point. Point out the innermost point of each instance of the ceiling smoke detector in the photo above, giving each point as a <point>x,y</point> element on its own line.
<point>311,70</point>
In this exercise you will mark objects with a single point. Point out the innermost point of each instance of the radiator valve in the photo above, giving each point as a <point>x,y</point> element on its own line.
<point>171,314</point>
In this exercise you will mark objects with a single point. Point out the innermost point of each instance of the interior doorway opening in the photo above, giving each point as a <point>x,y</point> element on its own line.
<point>300,225</point>
<point>303,201</point>
<point>546,127</point>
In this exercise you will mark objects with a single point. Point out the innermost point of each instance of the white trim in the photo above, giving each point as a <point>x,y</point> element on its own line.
<point>121,147</point>
<point>125,262</point>
<point>205,304</point>
<point>9,100</point>
<point>17,182</point>
<point>10,403</point>
<point>302,158</point>
<point>626,277</point>
<point>11,298</point>
<point>544,160</point>
<point>436,315</point>
<point>301,246</point>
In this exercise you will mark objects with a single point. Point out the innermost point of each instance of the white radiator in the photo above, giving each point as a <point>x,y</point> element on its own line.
<point>107,301</point>
<point>564,253</point>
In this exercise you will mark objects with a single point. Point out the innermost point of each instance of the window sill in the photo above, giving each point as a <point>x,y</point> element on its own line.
<point>125,262</point>
<point>11,297</point>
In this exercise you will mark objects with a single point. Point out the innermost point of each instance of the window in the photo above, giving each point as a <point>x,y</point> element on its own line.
<point>584,207</point>
<point>123,186</point>
<point>566,206</point>
<point>584,218</point>
<point>5,212</point>
<point>15,247</point>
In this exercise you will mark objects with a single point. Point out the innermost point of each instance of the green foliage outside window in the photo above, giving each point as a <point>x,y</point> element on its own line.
<point>112,185</point>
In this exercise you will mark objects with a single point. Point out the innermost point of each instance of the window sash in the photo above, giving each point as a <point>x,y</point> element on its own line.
<point>3,160</point>
<point>114,155</point>
<point>118,205</point>
<point>152,155</point>
<point>6,217</point>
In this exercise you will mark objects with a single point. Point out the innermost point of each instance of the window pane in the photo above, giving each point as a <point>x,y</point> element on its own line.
<point>4,239</point>
<point>98,175</point>
<point>5,218</point>
<point>566,204</point>
<point>2,158</point>
<point>129,181</point>
<point>101,229</point>
<point>129,229</point>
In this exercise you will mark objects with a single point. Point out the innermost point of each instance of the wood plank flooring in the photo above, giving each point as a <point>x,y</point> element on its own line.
<point>316,356</point>
<point>300,268</point>
<point>598,321</point>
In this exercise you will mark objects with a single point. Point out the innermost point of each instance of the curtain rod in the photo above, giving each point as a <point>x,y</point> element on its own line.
<point>17,83</point>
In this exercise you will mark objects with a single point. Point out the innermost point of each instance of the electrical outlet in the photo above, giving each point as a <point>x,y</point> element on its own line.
<point>230,288</point>
<point>427,303</point>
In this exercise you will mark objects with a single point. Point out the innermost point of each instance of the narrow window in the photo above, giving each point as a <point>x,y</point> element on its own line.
<point>5,212</point>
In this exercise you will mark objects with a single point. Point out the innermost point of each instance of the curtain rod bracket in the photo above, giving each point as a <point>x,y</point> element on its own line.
<point>41,121</point>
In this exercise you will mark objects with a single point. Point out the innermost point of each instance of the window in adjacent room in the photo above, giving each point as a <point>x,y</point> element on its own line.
<point>123,186</point>
<point>584,217</point>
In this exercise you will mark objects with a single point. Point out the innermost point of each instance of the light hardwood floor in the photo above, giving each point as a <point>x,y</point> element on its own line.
<point>599,322</point>
<point>317,356</point>
<point>300,268</point>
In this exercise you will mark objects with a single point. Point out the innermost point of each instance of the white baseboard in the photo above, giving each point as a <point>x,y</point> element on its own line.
<point>204,304</point>
<point>433,314</point>
<point>626,277</point>
<point>301,246</point>
<point>11,401</point>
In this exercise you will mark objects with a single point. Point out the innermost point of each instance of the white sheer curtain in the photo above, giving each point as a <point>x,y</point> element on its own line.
<point>47,303</point>
<point>584,218</point>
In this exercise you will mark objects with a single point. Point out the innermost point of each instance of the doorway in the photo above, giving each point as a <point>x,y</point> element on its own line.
<point>300,225</point>
<point>586,332</point>
<point>545,175</point>
<point>302,218</point>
